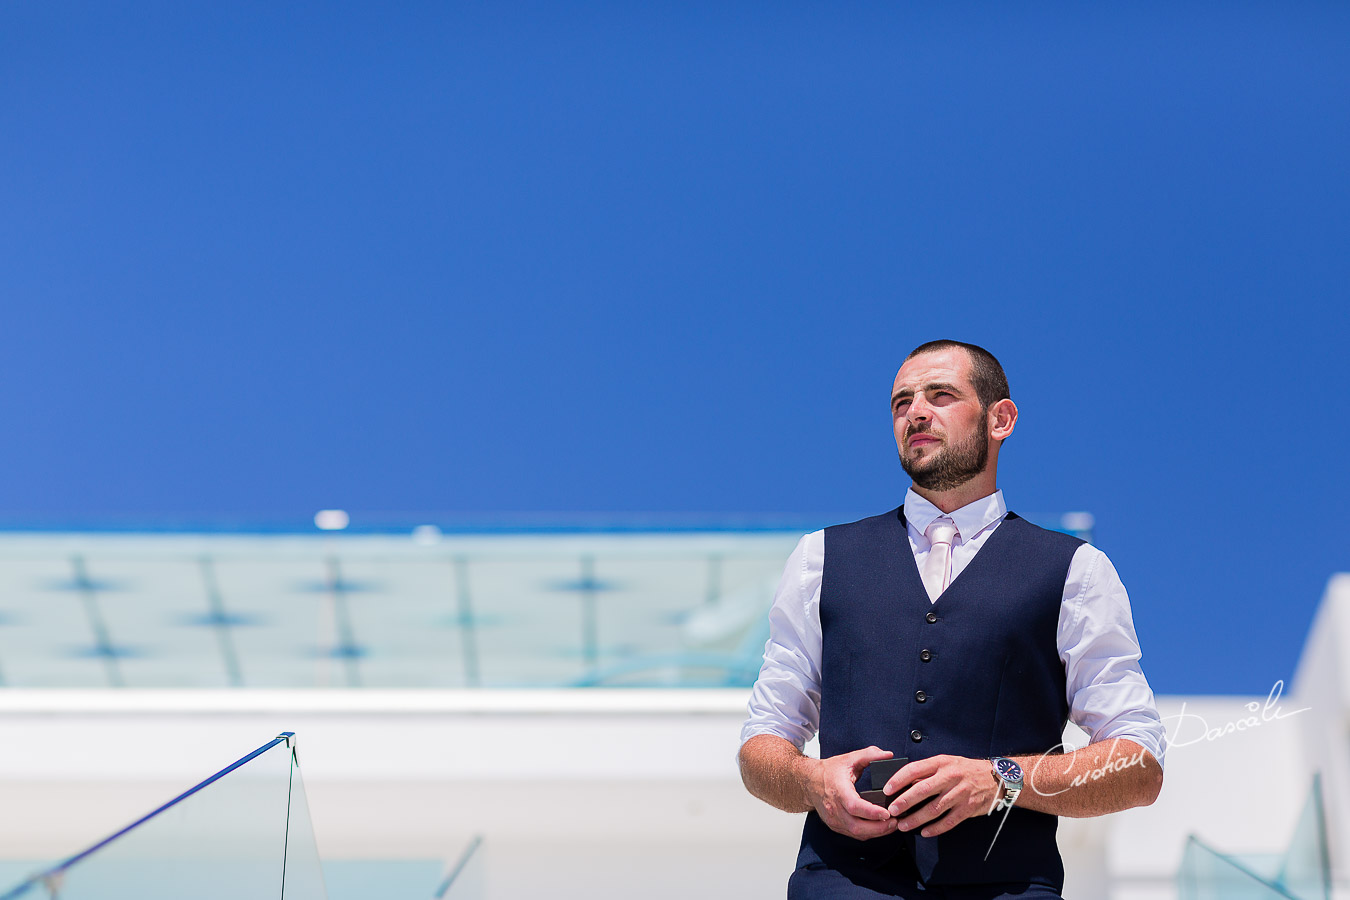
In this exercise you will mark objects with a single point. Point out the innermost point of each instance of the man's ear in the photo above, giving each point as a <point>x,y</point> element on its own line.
<point>1002,418</point>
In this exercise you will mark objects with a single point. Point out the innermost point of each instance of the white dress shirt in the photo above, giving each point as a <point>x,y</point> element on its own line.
<point>1107,693</point>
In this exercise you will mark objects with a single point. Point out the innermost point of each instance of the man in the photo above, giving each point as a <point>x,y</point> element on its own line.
<point>958,635</point>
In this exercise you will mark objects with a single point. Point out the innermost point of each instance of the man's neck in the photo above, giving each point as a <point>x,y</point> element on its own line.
<point>976,488</point>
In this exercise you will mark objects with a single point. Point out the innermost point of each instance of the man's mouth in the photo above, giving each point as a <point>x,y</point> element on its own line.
<point>921,439</point>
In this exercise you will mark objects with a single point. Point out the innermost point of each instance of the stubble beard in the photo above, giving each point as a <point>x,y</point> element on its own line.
<point>952,465</point>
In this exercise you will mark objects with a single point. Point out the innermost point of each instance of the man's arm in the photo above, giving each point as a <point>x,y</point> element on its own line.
<point>1095,780</point>
<point>775,771</point>
<point>784,711</point>
<point>1098,779</point>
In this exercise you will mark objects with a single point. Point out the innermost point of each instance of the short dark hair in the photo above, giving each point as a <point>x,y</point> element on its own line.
<point>986,375</point>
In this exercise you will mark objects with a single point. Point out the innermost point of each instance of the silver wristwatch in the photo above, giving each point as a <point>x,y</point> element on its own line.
<point>1009,775</point>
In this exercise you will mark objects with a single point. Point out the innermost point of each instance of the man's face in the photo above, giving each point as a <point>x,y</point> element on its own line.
<point>940,429</point>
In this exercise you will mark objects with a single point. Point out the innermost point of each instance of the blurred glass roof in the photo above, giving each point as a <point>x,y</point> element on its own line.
<point>548,608</point>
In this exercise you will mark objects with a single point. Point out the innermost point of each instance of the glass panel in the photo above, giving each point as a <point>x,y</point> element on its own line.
<point>238,834</point>
<point>1306,869</point>
<point>534,608</point>
<point>151,613</point>
<point>1208,875</point>
<point>288,631</point>
<point>45,635</point>
<point>530,620</point>
<point>304,873</point>
<point>466,878</point>
<point>382,879</point>
<point>410,620</point>
<point>1302,872</point>
<point>17,871</point>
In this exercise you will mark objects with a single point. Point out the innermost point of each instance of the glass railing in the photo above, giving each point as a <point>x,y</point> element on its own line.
<point>1305,869</point>
<point>243,832</point>
<point>465,878</point>
<point>1207,874</point>
<point>1301,872</point>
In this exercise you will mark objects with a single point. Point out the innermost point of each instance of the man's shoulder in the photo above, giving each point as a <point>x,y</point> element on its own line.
<point>1047,537</point>
<point>886,520</point>
<point>868,534</point>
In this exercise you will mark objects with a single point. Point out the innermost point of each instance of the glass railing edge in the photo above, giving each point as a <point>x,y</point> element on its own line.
<point>54,873</point>
<point>1228,860</point>
<point>298,840</point>
<point>458,868</point>
<point>1314,807</point>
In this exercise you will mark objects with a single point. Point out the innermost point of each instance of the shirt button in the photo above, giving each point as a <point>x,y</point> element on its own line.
<point>916,735</point>
<point>920,696</point>
<point>931,617</point>
<point>925,655</point>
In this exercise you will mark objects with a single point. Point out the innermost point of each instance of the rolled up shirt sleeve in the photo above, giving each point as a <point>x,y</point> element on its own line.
<point>1108,695</point>
<point>785,700</point>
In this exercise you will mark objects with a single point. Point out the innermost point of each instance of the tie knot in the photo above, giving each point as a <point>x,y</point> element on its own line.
<point>941,531</point>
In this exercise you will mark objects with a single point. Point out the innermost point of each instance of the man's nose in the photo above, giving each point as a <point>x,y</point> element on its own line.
<point>919,410</point>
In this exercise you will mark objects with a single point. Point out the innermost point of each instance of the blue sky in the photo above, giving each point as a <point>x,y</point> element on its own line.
<point>504,258</point>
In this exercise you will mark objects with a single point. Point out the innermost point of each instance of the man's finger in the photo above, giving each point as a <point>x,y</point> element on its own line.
<point>865,829</point>
<point>943,825</point>
<point>909,773</point>
<point>911,798</point>
<point>858,807</point>
<point>863,758</point>
<point>923,815</point>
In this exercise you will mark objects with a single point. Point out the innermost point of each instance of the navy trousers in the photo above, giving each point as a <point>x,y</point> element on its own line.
<point>818,882</point>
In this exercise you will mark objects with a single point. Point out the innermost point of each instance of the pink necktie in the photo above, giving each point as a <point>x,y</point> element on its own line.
<point>937,568</point>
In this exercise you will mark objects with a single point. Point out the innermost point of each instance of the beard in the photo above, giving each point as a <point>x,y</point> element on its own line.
<point>952,465</point>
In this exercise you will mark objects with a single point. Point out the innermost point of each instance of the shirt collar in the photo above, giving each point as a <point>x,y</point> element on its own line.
<point>970,519</point>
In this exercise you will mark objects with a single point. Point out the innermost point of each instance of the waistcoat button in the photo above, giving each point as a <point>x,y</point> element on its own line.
<point>931,617</point>
<point>925,655</point>
<point>916,735</point>
<point>920,696</point>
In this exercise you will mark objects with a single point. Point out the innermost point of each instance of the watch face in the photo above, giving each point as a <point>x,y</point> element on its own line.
<point>1008,770</point>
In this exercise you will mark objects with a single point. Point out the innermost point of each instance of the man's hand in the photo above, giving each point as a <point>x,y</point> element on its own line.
<point>831,791</point>
<point>775,771</point>
<point>955,787</point>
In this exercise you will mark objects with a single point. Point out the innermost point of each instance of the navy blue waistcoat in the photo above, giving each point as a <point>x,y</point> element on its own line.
<point>982,679</point>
